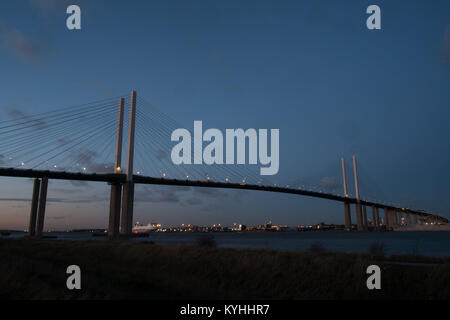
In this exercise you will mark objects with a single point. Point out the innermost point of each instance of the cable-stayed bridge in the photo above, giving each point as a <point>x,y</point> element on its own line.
<point>85,142</point>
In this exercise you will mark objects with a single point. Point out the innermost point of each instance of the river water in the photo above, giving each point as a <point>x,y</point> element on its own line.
<point>423,243</point>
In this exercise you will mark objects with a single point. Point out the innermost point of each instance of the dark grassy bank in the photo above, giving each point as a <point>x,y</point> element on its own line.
<point>31,269</point>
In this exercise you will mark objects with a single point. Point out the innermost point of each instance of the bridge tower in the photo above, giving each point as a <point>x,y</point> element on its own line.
<point>359,220</point>
<point>41,207</point>
<point>116,187</point>
<point>34,208</point>
<point>126,223</point>
<point>348,217</point>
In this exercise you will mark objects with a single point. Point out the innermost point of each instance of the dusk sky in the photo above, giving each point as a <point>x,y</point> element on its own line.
<point>310,68</point>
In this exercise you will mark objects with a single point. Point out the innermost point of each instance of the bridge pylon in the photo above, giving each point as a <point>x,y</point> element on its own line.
<point>126,223</point>
<point>359,218</point>
<point>116,187</point>
<point>347,213</point>
<point>34,208</point>
<point>41,207</point>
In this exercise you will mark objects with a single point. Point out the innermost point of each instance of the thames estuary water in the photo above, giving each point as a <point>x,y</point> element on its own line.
<point>423,243</point>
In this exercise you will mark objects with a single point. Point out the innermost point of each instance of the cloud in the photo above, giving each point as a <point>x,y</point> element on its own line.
<point>446,47</point>
<point>48,7</point>
<point>211,192</point>
<point>67,190</point>
<point>53,200</point>
<point>160,194</point>
<point>56,217</point>
<point>20,45</point>
<point>63,141</point>
<point>194,201</point>
<point>77,183</point>
<point>161,155</point>
<point>329,183</point>
<point>22,118</point>
<point>86,158</point>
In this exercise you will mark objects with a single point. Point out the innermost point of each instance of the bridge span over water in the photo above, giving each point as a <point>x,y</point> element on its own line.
<point>123,182</point>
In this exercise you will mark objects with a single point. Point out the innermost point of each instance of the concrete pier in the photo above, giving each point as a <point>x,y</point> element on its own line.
<point>408,218</point>
<point>387,218</point>
<point>359,219</point>
<point>126,223</point>
<point>365,222</point>
<point>348,217</point>
<point>374,218</point>
<point>395,218</point>
<point>415,219</point>
<point>34,208</point>
<point>114,210</point>
<point>41,207</point>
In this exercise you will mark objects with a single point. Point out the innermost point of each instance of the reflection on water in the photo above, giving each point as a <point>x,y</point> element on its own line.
<point>424,243</point>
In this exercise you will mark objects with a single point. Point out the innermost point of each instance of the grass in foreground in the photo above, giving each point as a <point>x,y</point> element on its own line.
<point>32,269</point>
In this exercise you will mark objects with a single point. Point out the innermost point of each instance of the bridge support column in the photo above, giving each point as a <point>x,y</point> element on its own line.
<point>365,222</point>
<point>348,217</point>
<point>126,223</point>
<point>395,218</point>
<point>114,210</point>
<point>400,218</point>
<point>387,218</point>
<point>347,213</point>
<point>116,187</point>
<point>408,218</point>
<point>359,219</point>
<point>374,218</point>
<point>390,219</point>
<point>41,208</point>
<point>377,215</point>
<point>34,207</point>
<point>415,219</point>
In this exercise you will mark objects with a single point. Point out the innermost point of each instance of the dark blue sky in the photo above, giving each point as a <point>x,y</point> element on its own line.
<point>310,68</point>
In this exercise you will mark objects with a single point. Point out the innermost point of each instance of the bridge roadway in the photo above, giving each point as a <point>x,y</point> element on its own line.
<point>120,177</point>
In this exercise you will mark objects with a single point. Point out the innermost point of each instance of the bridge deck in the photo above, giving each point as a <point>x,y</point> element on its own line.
<point>119,177</point>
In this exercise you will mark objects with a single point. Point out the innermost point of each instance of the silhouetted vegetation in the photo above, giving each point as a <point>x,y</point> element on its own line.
<point>206,240</point>
<point>377,249</point>
<point>317,247</point>
<point>32,269</point>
